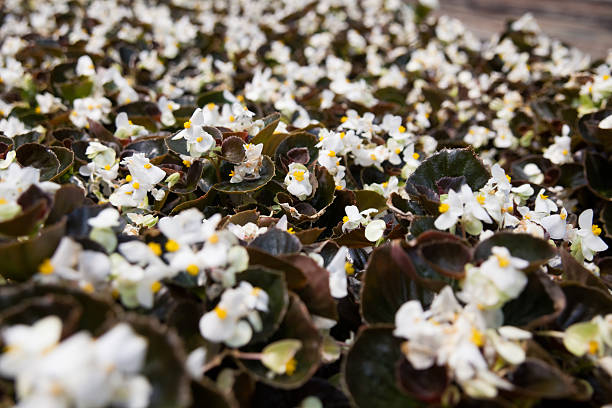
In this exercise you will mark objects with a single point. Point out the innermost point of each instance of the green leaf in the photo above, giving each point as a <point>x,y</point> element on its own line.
<point>293,141</point>
<point>368,374</point>
<point>597,170</point>
<point>40,157</point>
<point>248,186</point>
<point>448,163</point>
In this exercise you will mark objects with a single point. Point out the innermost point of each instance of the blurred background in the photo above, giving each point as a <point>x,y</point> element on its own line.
<point>586,24</point>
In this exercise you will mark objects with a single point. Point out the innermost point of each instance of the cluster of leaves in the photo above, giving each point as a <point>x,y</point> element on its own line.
<point>348,354</point>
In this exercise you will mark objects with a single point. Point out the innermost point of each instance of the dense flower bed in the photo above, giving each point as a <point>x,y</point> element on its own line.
<point>281,203</point>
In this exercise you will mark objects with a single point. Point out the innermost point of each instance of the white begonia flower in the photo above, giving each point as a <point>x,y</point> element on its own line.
<point>533,173</point>
<point>199,142</point>
<point>606,123</point>
<point>556,224</point>
<point>587,241</point>
<point>107,218</point>
<point>560,151</point>
<point>224,323</point>
<point>85,66</point>
<point>251,165</point>
<point>374,230</point>
<point>478,136</point>
<point>543,204</point>
<point>353,218</point>
<point>126,129</point>
<point>498,280</point>
<point>297,181</point>
<point>279,356</point>
<point>246,232</point>
<point>593,339</point>
<point>94,108</point>
<point>142,170</point>
<point>167,107</point>
<point>465,205</point>
<point>195,363</point>
<point>12,127</point>
<point>48,103</point>
<point>338,268</point>
<point>24,345</point>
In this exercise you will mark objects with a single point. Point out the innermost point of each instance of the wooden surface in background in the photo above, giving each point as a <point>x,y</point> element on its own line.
<point>585,24</point>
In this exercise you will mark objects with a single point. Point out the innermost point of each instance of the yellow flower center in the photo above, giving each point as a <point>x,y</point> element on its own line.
<point>221,312</point>
<point>290,366</point>
<point>136,185</point>
<point>509,178</point>
<point>342,134</point>
<point>187,124</point>
<point>232,173</point>
<point>298,175</point>
<point>543,197</point>
<point>415,156</point>
<point>38,110</point>
<point>443,208</point>
<point>398,150</point>
<point>502,261</point>
<point>199,139</point>
<point>565,152</point>
<point>596,230</point>
<point>480,198</point>
<point>46,268</point>
<point>172,245</point>
<point>606,77</point>
<point>255,291</point>
<point>291,230</point>
<point>192,269</point>
<point>88,287</point>
<point>155,247</point>
<point>385,184</point>
<point>345,219</point>
<point>373,156</point>
<point>593,347</point>
<point>128,177</point>
<point>169,106</point>
<point>90,107</point>
<point>130,122</point>
<point>563,216</point>
<point>232,118</point>
<point>186,163</point>
<point>107,167</point>
<point>331,153</point>
<point>401,129</point>
<point>348,267</point>
<point>210,106</point>
<point>147,165</point>
<point>338,187</point>
<point>156,286</point>
<point>343,119</point>
<point>213,239</point>
<point>477,337</point>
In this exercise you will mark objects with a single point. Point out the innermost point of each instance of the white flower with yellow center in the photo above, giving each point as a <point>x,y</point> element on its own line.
<point>587,241</point>
<point>297,181</point>
<point>199,142</point>
<point>126,129</point>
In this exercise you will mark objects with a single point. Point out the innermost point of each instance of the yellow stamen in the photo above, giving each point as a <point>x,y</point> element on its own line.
<point>596,230</point>
<point>291,230</point>
<point>509,178</point>
<point>172,245</point>
<point>130,122</point>
<point>298,175</point>
<point>232,173</point>
<point>373,156</point>
<point>147,165</point>
<point>563,216</point>
<point>46,268</point>
<point>345,219</point>
<point>38,110</point>
<point>477,337</point>
<point>502,261</point>
<point>343,119</point>
<point>331,153</point>
<point>256,291</point>
<point>338,187</point>
<point>481,199</point>
<point>385,184</point>
<point>543,197</point>
<point>213,239</point>
<point>169,106</point>
<point>187,124</point>
<point>290,366</point>
<point>240,98</point>
<point>156,286</point>
<point>192,269</point>
<point>401,129</point>
<point>107,167</point>
<point>593,347</point>
<point>90,107</point>
<point>88,287</point>
<point>210,106</point>
<point>415,156</point>
<point>136,185</point>
<point>348,267</point>
<point>398,150</point>
<point>342,134</point>
<point>186,163</point>
<point>443,208</point>
<point>232,118</point>
<point>199,139</point>
<point>221,312</point>
<point>155,247</point>
<point>128,178</point>
<point>565,152</point>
